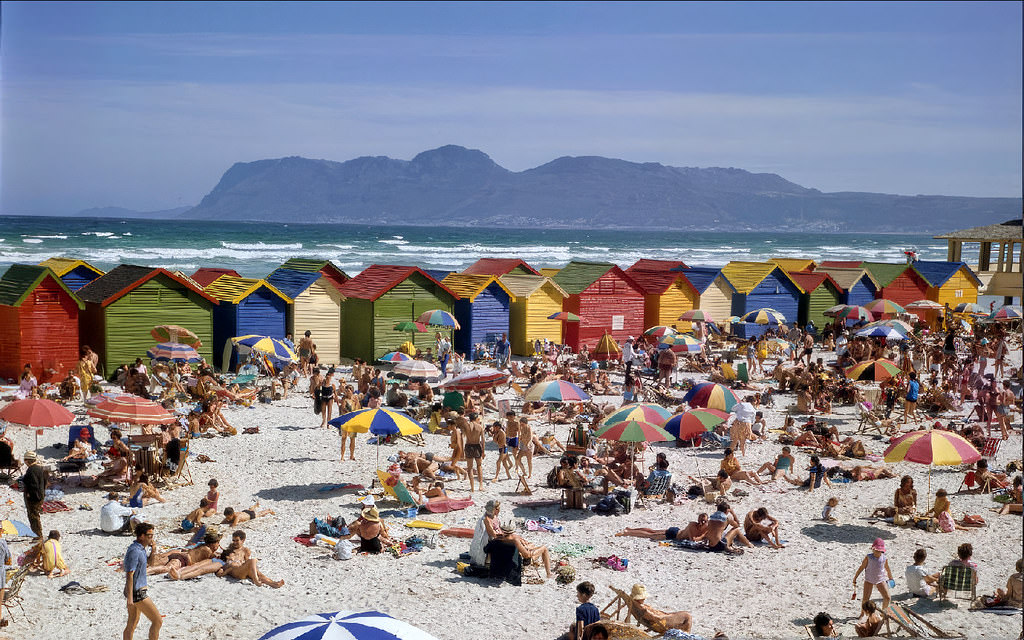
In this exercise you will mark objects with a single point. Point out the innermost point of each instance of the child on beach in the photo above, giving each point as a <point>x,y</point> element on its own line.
<point>586,613</point>
<point>828,513</point>
<point>919,582</point>
<point>875,567</point>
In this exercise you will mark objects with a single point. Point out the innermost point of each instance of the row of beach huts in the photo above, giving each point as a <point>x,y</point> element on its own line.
<point>48,310</point>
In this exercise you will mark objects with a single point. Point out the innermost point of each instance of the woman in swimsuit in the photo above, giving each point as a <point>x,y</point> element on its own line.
<point>370,531</point>
<point>178,559</point>
<point>212,497</point>
<point>142,492</point>
<point>326,393</point>
<point>732,466</point>
<point>784,462</point>
<point>905,498</point>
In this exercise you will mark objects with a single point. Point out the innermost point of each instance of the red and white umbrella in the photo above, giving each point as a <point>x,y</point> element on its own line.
<point>133,410</point>
<point>36,413</point>
<point>420,369</point>
<point>485,378</point>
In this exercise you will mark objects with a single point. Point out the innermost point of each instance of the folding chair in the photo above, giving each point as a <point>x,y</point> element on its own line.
<point>12,591</point>
<point>183,469</point>
<point>9,465</point>
<point>870,422</point>
<point>656,488</point>
<point>991,448</point>
<point>957,578</point>
<point>913,623</point>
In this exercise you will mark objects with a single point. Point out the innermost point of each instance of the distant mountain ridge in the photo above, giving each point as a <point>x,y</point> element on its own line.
<point>453,185</point>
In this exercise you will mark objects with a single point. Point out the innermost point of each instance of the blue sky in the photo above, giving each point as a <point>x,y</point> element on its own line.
<point>145,105</point>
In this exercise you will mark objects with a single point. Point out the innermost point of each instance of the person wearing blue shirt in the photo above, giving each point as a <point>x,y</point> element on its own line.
<point>502,352</point>
<point>587,613</point>
<point>910,401</point>
<point>135,563</point>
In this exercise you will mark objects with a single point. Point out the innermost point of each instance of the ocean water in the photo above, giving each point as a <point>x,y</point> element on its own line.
<point>255,249</point>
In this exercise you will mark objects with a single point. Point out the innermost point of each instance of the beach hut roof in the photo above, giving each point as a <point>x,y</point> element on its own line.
<point>745,276</point>
<point>205,275</point>
<point>438,274</point>
<point>937,273</point>
<point>810,280</point>
<point>184,276</point>
<point>842,264</point>
<point>576,276</point>
<point>292,283</point>
<point>234,289</point>
<point>1009,230</point>
<point>883,272</point>
<point>326,268</point>
<point>21,279</point>
<point>703,277</point>
<point>377,279</point>
<point>655,282</point>
<point>468,286</point>
<point>523,286</point>
<point>847,277</point>
<point>497,266</point>
<point>61,266</point>
<point>790,265</point>
<point>648,264</point>
<point>123,278</point>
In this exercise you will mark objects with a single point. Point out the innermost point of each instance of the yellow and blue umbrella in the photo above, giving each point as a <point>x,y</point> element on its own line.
<point>273,347</point>
<point>1006,313</point>
<point>681,342</point>
<point>555,391</point>
<point>764,316</point>
<point>379,422</point>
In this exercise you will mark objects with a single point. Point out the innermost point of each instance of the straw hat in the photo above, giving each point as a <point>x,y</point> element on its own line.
<point>30,457</point>
<point>371,514</point>
<point>639,592</point>
<point>508,527</point>
<point>878,545</point>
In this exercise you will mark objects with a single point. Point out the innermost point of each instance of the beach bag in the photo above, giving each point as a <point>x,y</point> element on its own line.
<point>625,498</point>
<point>946,523</point>
<point>343,550</point>
<point>608,506</point>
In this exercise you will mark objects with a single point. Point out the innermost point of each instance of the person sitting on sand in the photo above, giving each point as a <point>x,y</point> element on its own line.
<point>1014,593</point>
<point>815,476</point>
<point>530,552</point>
<point>920,583</point>
<point>724,529</point>
<point>905,498</point>
<point>755,528</point>
<point>732,466</point>
<point>1014,505</point>
<point>51,558</point>
<point>871,622</point>
<point>488,527</point>
<point>116,471</point>
<point>721,483</point>
<point>823,627</point>
<point>695,531</point>
<point>195,518</point>
<point>234,518</point>
<point>371,534</point>
<point>177,559</point>
<point>784,462</point>
<point>986,480</point>
<point>142,492</point>
<point>239,563</point>
<point>655,619</point>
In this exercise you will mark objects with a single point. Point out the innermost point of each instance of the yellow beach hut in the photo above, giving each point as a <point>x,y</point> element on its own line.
<point>794,264</point>
<point>667,293</point>
<point>316,307</point>
<point>713,289</point>
<point>534,299</point>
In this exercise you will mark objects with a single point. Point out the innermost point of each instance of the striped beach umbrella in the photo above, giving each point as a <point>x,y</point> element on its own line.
<point>686,426</point>
<point>697,315</point>
<point>972,308</point>
<point>881,331</point>
<point>377,421</point>
<point>853,312</point>
<point>416,369</point>
<point>711,395</point>
<point>347,625</point>
<point>395,356</point>
<point>778,344</point>
<point>640,412</point>
<point>832,311</point>
<point>174,333</point>
<point>633,431</point>
<point>100,398</point>
<point>477,379</point>
<point>438,318</point>
<point>275,348</point>
<point>924,305</point>
<point>659,332</point>
<point>555,391</point>
<point>882,307</point>
<point>412,327</point>
<point>564,316</point>
<point>876,370</point>
<point>898,325</point>
<point>931,447</point>
<point>132,410</point>
<point>681,342</point>
<point>1006,313</point>
<point>173,352</point>
<point>764,316</point>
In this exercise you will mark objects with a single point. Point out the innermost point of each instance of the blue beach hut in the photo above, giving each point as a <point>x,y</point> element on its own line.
<point>759,285</point>
<point>857,286</point>
<point>245,306</point>
<point>75,274</point>
<point>482,309</point>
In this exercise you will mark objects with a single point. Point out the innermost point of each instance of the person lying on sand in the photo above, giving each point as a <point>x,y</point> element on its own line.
<point>695,531</point>
<point>239,563</point>
<point>234,518</point>
<point>178,559</point>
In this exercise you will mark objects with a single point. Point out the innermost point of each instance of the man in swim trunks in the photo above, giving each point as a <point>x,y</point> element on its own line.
<point>181,558</point>
<point>305,348</point>
<point>239,563</point>
<point>195,518</point>
<point>723,530</point>
<point>234,518</point>
<point>473,436</point>
<point>525,448</point>
<point>755,529</point>
<point>695,531</point>
<point>512,430</point>
<point>501,441</point>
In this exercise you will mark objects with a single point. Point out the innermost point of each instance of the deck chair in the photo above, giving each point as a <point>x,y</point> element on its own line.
<point>971,479</point>
<point>870,422</point>
<point>991,448</point>
<point>741,372</point>
<point>624,603</point>
<point>9,464</point>
<point>655,490</point>
<point>12,593</point>
<point>397,490</point>
<point>957,578</point>
<point>911,622</point>
<point>578,440</point>
<point>183,469</point>
<point>728,372</point>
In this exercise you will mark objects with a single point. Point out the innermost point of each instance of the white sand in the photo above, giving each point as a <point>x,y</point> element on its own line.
<point>762,594</point>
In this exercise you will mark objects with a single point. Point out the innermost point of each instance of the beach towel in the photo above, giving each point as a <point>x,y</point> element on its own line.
<point>305,540</point>
<point>424,524</point>
<point>543,524</point>
<point>400,513</point>
<point>538,503</point>
<point>53,506</point>
<point>196,539</point>
<point>457,532</point>
<point>451,504</point>
<point>347,486</point>
<point>572,549</point>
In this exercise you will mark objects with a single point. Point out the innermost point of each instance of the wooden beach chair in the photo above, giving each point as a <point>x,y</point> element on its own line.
<point>911,622</point>
<point>12,592</point>
<point>183,469</point>
<point>9,464</point>
<point>870,422</point>
<point>624,603</point>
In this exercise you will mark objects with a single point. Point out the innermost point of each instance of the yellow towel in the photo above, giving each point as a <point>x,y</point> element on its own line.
<point>424,524</point>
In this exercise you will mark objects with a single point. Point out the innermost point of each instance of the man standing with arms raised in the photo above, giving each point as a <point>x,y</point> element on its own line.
<point>135,588</point>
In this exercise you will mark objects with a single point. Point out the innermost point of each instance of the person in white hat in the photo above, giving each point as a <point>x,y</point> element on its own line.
<point>653,618</point>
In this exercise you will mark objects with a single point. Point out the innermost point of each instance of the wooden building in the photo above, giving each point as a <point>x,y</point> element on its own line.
<point>820,293</point>
<point>38,323</point>
<point>900,283</point>
<point>714,291</point>
<point>382,296</point>
<point>534,299</point>
<point>481,308</point>
<point>856,284</point>
<point>245,306</point>
<point>500,267</point>
<point>205,275</point>
<point>999,272</point>
<point>316,307</point>
<point>761,285</point>
<point>122,306</point>
<point>606,300</point>
<point>326,268</point>
<point>667,292</point>
<point>74,273</point>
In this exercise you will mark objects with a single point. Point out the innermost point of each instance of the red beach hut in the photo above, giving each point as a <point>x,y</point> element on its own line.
<point>605,298</point>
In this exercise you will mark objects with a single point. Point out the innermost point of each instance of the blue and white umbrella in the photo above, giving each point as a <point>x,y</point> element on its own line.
<point>348,625</point>
<point>881,331</point>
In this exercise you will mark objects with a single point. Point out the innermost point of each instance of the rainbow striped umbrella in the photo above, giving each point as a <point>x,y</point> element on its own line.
<point>898,325</point>
<point>660,331</point>
<point>925,305</point>
<point>689,425</point>
<point>438,318</point>
<point>132,410</point>
<point>1006,313</point>
<point>633,431</point>
<point>639,412</point>
<point>555,391</point>
<point>565,316</point>
<point>173,352</point>
<point>882,306</point>
<point>697,315</point>
<point>174,333</point>
<point>932,447</point>
<point>711,395</point>
<point>876,370</point>
<point>395,356</point>
<point>853,312</point>
<point>680,342</point>
<point>484,378</point>
<point>764,316</point>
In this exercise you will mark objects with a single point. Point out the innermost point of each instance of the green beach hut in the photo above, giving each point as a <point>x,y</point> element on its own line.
<point>382,296</point>
<point>820,293</point>
<point>122,307</point>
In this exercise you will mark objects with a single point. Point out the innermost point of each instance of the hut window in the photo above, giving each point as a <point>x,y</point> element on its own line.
<point>959,293</point>
<point>46,296</point>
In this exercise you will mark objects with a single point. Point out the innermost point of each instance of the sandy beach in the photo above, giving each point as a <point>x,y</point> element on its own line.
<point>764,593</point>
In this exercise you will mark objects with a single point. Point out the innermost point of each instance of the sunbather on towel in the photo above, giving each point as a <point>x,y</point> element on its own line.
<point>234,518</point>
<point>178,559</point>
<point>240,564</point>
<point>695,531</point>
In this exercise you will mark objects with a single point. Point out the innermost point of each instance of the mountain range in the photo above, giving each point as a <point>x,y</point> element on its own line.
<point>453,185</point>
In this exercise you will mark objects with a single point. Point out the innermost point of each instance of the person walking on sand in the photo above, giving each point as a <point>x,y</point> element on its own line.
<point>910,401</point>
<point>875,567</point>
<point>34,487</point>
<point>473,448</point>
<point>525,448</point>
<point>135,587</point>
<point>501,441</point>
<point>444,353</point>
<point>305,352</point>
